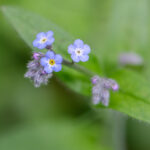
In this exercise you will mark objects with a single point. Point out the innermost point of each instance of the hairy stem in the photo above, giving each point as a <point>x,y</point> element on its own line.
<point>78,68</point>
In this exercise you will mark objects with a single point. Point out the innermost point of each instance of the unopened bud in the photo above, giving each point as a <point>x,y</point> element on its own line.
<point>130,59</point>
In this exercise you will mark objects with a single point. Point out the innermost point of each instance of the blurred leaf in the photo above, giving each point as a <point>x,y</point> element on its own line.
<point>53,136</point>
<point>133,130</point>
<point>28,25</point>
<point>134,95</point>
<point>132,85</point>
<point>127,30</point>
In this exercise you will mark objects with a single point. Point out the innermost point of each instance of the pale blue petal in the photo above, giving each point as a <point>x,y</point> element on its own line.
<point>58,59</point>
<point>78,43</point>
<point>86,49</point>
<point>36,43</point>
<point>75,58</point>
<point>48,69</point>
<point>71,49</point>
<point>40,35</point>
<point>57,67</point>
<point>84,58</point>
<point>49,34</point>
<point>41,46</point>
<point>44,61</point>
<point>50,41</point>
<point>50,55</point>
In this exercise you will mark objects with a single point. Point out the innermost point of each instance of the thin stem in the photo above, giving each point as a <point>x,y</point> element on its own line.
<point>119,123</point>
<point>77,67</point>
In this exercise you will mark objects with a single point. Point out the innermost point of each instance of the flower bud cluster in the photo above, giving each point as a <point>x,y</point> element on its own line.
<point>36,72</point>
<point>101,89</point>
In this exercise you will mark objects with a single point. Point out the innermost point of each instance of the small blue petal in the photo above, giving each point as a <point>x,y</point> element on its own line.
<point>57,67</point>
<point>78,43</point>
<point>50,41</point>
<point>49,34</point>
<point>44,61</point>
<point>50,55</point>
<point>36,43</point>
<point>48,69</point>
<point>41,46</point>
<point>40,35</point>
<point>75,58</point>
<point>86,49</point>
<point>84,58</point>
<point>58,59</point>
<point>71,49</point>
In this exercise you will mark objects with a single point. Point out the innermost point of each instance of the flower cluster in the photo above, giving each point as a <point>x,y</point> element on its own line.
<point>42,66</point>
<point>100,90</point>
<point>36,72</point>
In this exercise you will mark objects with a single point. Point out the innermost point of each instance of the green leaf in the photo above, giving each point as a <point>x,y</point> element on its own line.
<point>133,96</point>
<point>131,106</point>
<point>28,25</point>
<point>128,30</point>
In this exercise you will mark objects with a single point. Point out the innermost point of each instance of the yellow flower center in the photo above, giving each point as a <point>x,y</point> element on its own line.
<point>52,62</point>
<point>44,40</point>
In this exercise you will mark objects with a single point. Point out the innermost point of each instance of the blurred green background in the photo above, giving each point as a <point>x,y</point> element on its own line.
<point>52,117</point>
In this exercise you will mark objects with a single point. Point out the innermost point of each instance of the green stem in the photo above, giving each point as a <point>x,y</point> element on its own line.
<point>78,68</point>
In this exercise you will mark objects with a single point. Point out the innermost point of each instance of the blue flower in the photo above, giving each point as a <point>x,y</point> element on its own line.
<point>51,62</point>
<point>79,51</point>
<point>43,40</point>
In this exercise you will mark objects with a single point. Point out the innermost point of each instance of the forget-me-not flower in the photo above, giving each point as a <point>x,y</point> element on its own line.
<point>51,62</point>
<point>43,40</point>
<point>79,51</point>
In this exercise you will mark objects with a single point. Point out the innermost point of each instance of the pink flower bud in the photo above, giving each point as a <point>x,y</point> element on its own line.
<point>115,87</point>
<point>36,56</point>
